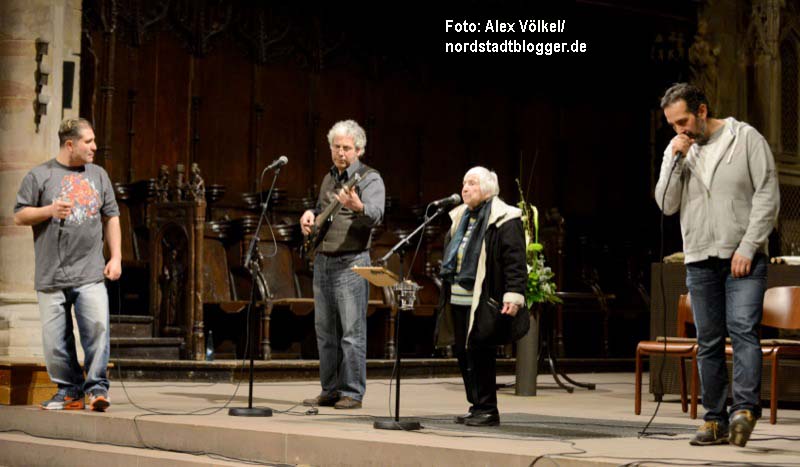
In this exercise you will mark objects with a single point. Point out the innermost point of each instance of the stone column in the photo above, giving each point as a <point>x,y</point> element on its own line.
<point>22,147</point>
<point>765,21</point>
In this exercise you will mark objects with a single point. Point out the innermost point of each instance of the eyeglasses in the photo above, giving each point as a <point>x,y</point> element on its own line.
<point>338,147</point>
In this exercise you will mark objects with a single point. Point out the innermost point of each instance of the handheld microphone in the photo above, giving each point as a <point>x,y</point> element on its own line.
<point>62,199</point>
<point>678,156</point>
<point>279,162</point>
<point>449,201</point>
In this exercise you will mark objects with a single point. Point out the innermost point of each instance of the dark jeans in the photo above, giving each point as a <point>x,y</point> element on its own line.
<point>477,364</point>
<point>723,303</point>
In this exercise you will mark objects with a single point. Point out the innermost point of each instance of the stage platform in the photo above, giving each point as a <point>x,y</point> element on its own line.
<point>553,428</point>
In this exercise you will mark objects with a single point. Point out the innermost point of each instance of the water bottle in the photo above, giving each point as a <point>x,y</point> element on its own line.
<point>210,346</point>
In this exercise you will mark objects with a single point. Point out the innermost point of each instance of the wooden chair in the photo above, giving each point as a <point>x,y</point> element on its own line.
<point>219,286</point>
<point>681,346</point>
<point>280,288</point>
<point>781,311</point>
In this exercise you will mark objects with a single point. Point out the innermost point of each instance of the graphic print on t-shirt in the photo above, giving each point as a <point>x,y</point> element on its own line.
<point>84,196</point>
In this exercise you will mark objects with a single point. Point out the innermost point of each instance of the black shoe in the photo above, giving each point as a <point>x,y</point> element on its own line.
<point>483,419</point>
<point>742,424</point>
<point>461,418</point>
<point>322,401</point>
<point>712,432</point>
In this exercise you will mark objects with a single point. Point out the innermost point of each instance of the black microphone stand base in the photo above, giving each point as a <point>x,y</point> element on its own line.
<point>250,412</point>
<point>393,424</point>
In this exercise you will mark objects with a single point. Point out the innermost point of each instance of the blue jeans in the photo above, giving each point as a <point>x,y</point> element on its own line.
<point>723,303</point>
<point>91,313</point>
<point>340,319</point>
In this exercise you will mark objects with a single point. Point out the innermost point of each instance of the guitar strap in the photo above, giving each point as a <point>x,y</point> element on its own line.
<point>362,172</point>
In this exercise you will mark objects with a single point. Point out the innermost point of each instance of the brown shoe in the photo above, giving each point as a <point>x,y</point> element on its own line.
<point>347,403</point>
<point>712,432</point>
<point>322,401</point>
<point>742,424</point>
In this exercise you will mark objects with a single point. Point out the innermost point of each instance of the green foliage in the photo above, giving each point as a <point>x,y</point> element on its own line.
<point>540,287</point>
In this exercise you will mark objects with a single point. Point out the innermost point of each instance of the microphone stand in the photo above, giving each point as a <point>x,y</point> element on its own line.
<point>406,291</point>
<point>252,263</point>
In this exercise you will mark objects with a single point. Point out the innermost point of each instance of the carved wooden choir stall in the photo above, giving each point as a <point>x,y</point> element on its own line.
<point>176,221</point>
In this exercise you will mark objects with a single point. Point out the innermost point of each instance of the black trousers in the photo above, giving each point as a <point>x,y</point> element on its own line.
<point>477,364</point>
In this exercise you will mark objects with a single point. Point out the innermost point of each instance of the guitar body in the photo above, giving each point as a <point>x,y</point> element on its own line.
<point>318,233</point>
<point>322,223</point>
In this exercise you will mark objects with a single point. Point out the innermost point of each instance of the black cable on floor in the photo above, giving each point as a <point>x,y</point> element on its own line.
<point>663,302</point>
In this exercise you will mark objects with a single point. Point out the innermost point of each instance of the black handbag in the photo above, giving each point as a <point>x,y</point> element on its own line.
<point>494,328</point>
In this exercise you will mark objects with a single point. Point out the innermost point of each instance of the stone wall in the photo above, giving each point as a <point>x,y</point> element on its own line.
<point>22,147</point>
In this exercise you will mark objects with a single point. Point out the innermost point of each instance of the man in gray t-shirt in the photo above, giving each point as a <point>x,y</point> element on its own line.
<point>69,202</point>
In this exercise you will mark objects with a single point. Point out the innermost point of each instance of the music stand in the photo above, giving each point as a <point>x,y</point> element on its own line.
<point>377,275</point>
<point>405,292</point>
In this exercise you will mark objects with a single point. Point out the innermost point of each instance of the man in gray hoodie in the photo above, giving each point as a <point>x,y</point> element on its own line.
<point>721,175</point>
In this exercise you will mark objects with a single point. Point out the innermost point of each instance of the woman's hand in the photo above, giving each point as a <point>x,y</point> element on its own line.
<point>510,309</point>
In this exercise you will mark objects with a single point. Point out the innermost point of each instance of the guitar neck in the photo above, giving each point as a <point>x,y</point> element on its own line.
<point>333,208</point>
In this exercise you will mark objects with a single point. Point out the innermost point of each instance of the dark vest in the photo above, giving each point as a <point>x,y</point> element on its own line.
<point>350,232</point>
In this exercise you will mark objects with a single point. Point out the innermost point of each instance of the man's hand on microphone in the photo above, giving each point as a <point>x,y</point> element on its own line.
<point>61,209</point>
<point>307,222</point>
<point>681,144</point>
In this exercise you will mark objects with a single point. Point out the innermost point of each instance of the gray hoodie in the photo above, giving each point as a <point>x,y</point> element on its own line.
<point>739,208</point>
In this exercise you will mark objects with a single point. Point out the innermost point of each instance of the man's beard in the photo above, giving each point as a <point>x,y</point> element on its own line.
<point>700,138</point>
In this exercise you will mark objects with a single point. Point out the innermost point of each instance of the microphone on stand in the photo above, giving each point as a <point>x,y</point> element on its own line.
<point>449,201</point>
<point>279,162</point>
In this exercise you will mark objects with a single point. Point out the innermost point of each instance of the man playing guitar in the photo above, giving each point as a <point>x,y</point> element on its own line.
<point>341,295</point>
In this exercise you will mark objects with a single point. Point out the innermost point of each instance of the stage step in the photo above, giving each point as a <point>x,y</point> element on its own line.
<point>21,449</point>
<point>155,348</point>
<point>131,326</point>
<point>327,441</point>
